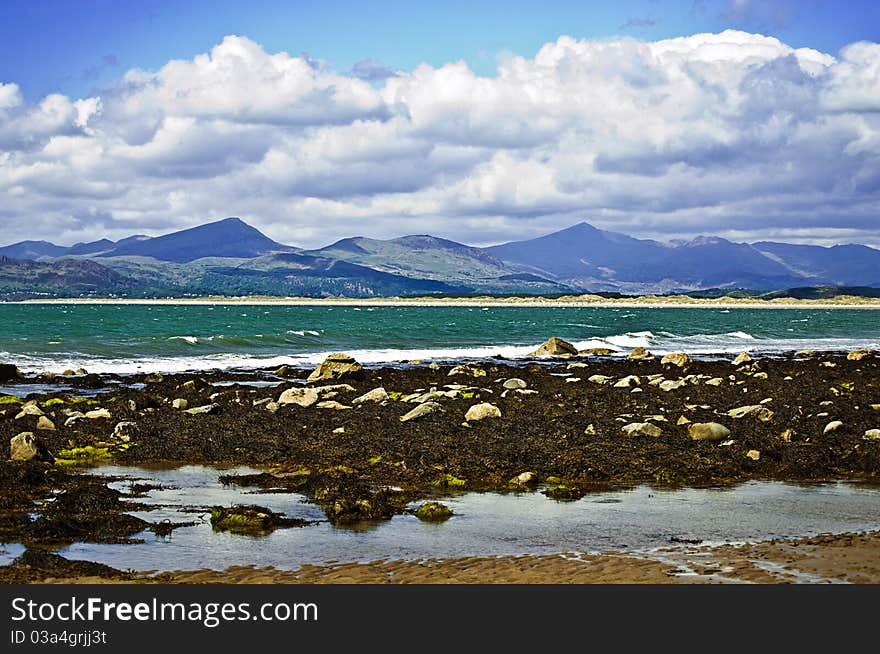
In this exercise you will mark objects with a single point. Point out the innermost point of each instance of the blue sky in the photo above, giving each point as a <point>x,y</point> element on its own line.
<point>74,47</point>
<point>476,121</point>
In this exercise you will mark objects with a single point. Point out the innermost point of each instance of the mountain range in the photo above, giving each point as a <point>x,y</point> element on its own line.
<point>230,257</point>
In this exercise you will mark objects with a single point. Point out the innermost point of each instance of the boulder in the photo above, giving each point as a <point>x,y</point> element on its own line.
<point>642,429</point>
<point>420,411</point>
<point>599,379</point>
<point>758,411</point>
<point>8,373</point>
<point>708,431</point>
<point>375,395</point>
<point>628,382</point>
<point>44,424</point>
<point>29,410</point>
<point>804,354</point>
<point>555,347</point>
<point>872,435</point>
<point>482,411</point>
<point>834,425</point>
<point>597,352</point>
<point>125,430</point>
<point>336,366</point>
<point>303,397</point>
<point>640,354</point>
<point>98,414</point>
<point>741,358</point>
<point>514,383</point>
<point>23,447</point>
<point>433,512</point>
<point>678,359</point>
<point>154,378</point>
<point>858,355</point>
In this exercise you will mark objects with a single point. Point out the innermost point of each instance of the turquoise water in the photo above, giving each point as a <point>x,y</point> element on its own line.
<point>128,338</point>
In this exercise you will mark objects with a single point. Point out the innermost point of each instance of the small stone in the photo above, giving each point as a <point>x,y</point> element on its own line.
<point>524,479</point>
<point>339,430</point>
<point>482,411</point>
<point>759,375</point>
<point>669,385</point>
<point>433,366</point>
<point>98,414</point>
<point>330,404</point>
<point>179,403</point>
<point>376,395</point>
<point>572,380</point>
<point>828,364</point>
<point>514,382</point>
<point>683,421</point>
<point>708,431</point>
<point>577,364</point>
<point>596,352</point>
<point>804,354</point>
<point>834,425</point>
<point>73,417</point>
<point>272,407</point>
<point>44,424</point>
<point>858,355</point>
<point>715,381</point>
<point>872,435</point>
<point>203,410</point>
<point>642,429</point>
<point>123,431</point>
<point>787,435</point>
<point>600,379</point>
<point>754,455</point>
<point>154,378</point>
<point>590,430</point>
<point>466,370</point>
<point>758,411</point>
<point>421,410</point>
<point>741,358</point>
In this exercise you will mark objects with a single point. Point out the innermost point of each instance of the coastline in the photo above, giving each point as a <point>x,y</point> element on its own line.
<point>575,301</point>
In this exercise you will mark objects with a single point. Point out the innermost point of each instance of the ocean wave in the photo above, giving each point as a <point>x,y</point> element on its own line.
<point>708,345</point>
<point>192,340</point>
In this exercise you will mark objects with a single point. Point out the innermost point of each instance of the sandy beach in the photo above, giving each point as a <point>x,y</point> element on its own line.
<point>649,301</point>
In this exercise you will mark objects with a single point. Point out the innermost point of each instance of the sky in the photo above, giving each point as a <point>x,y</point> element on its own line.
<point>481,122</point>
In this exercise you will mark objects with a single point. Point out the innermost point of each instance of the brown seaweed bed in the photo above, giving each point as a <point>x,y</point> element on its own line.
<point>364,463</point>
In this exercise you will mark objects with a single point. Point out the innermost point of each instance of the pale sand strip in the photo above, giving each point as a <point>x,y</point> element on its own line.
<point>645,302</point>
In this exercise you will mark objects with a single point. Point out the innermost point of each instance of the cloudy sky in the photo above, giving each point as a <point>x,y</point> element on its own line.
<point>482,122</point>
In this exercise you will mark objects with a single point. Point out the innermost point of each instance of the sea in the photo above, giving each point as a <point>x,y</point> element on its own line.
<point>131,338</point>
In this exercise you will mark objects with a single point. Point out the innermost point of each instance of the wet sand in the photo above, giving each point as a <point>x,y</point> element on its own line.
<point>842,558</point>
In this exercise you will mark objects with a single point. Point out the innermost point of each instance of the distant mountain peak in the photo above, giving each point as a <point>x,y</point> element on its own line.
<point>700,241</point>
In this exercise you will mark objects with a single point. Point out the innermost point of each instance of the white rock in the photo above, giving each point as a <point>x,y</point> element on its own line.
<point>23,447</point>
<point>834,425</point>
<point>628,382</point>
<point>642,429</point>
<point>599,379</point>
<point>708,431</point>
<point>513,383</point>
<point>304,397</point>
<point>98,414</point>
<point>375,395</point>
<point>421,410</point>
<point>482,411</point>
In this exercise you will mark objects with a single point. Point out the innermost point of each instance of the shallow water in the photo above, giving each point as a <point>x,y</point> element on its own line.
<point>484,524</point>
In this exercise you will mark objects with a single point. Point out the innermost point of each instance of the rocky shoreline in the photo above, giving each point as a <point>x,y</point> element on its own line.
<point>363,443</point>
